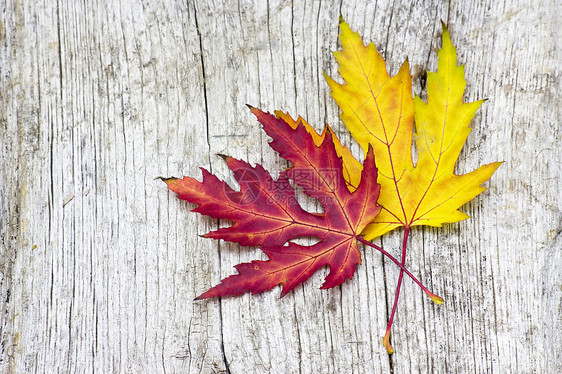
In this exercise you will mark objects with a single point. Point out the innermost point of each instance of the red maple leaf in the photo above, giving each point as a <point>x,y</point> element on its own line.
<point>265,212</point>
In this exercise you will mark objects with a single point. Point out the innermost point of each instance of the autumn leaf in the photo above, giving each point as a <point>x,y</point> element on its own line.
<point>379,112</point>
<point>351,167</point>
<point>265,212</point>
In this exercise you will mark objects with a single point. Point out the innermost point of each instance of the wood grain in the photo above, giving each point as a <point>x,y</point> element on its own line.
<point>99,263</point>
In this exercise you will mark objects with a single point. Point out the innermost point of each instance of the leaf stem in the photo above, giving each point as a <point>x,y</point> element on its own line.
<point>434,297</point>
<point>386,339</point>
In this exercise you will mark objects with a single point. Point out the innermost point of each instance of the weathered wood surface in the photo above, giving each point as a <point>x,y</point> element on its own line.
<point>100,263</point>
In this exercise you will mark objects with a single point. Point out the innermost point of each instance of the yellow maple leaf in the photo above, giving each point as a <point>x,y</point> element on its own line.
<point>379,110</point>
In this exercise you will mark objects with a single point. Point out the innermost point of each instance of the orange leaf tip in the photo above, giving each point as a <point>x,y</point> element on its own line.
<point>386,343</point>
<point>165,180</point>
<point>170,182</point>
<point>436,299</point>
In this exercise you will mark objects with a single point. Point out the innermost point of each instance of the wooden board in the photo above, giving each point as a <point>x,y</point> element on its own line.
<point>99,263</point>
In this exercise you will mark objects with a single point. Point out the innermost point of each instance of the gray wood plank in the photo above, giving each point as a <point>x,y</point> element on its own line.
<point>99,263</point>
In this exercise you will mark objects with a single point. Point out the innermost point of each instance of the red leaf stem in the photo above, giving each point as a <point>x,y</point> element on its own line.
<point>434,297</point>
